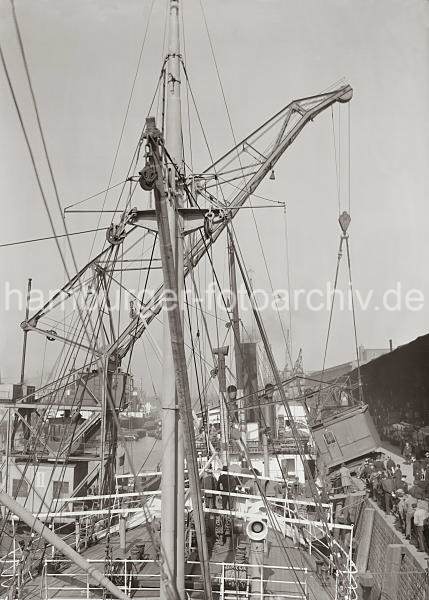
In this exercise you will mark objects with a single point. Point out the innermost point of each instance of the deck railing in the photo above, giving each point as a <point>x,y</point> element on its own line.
<point>130,577</point>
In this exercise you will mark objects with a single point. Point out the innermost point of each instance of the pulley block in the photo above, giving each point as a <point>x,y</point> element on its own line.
<point>115,234</point>
<point>147,177</point>
<point>209,224</point>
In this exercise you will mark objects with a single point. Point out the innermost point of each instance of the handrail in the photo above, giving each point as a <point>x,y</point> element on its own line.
<point>131,577</point>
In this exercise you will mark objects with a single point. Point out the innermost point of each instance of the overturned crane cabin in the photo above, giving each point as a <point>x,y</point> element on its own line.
<point>394,386</point>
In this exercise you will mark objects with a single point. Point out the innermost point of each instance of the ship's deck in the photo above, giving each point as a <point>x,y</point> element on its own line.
<point>280,579</point>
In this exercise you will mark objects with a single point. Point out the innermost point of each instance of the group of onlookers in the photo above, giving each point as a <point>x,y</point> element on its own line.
<point>387,485</point>
<point>220,489</point>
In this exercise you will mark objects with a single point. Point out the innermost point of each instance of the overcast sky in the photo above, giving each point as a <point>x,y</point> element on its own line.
<point>82,56</point>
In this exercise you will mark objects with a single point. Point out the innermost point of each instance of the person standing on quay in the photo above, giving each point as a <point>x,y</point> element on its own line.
<point>346,479</point>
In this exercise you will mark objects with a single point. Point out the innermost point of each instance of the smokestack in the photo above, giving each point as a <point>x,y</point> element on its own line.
<point>391,345</point>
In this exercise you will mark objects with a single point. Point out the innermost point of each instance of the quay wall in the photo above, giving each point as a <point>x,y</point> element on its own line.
<point>389,568</point>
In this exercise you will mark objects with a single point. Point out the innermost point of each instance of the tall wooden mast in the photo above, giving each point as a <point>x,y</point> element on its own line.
<point>172,487</point>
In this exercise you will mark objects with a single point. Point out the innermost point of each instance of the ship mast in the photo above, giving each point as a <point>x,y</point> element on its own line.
<point>24,343</point>
<point>172,483</point>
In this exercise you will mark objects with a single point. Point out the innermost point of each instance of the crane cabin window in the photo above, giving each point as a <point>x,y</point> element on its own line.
<point>61,489</point>
<point>19,488</point>
<point>329,438</point>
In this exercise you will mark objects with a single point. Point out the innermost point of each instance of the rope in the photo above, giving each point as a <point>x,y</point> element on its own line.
<point>149,371</point>
<point>339,155</point>
<point>193,354</point>
<point>37,175</point>
<point>50,237</point>
<point>53,396</point>
<point>275,372</point>
<point>125,119</point>
<point>287,258</point>
<point>218,284</point>
<point>43,363</point>
<point>242,171</point>
<point>349,156</point>
<point>33,162</point>
<point>215,277</point>
<point>340,254</point>
<point>354,321</point>
<point>40,128</point>
<point>188,114</point>
<point>112,187</point>
<point>337,172</point>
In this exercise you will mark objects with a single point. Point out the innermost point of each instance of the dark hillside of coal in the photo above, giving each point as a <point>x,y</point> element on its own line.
<point>396,389</point>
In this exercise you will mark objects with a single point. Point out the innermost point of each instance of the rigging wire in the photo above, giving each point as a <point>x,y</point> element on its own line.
<point>197,112</point>
<point>31,460</point>
<point>349,154</point>
<point>51,237</point>
<point>214,274</point>
<point>339,155</point>
<point>130,97</point>
<point>43,363</point>
<point>53,396</point>
<point>261,327</point>
<point>354,321</point>
<point>210,257</point>
<point>162,60</point>
<point>337,268</point>
<point>337,171</point>
<point>46,153</point>
<point>242,171</point>
<point>191,334</point>
<point>40,128</point>
<point>149,371</point>
<point>191,159</point>
<point>112,187</point>
<point>45,149</point>
<point>289,285</point>
<point>32,158</point>
<point>218,284</point>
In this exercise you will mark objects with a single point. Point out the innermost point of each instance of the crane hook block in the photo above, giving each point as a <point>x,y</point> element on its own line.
<point>147,177</point>
<point>344,221</point>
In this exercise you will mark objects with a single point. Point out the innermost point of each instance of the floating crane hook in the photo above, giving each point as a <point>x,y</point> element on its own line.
<point>344,221</point>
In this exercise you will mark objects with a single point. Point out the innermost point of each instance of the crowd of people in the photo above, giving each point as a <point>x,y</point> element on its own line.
<point>219,488</point>
<point>388,486</point>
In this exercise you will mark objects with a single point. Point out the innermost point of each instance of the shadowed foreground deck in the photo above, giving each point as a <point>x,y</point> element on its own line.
<point>280,579</point>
